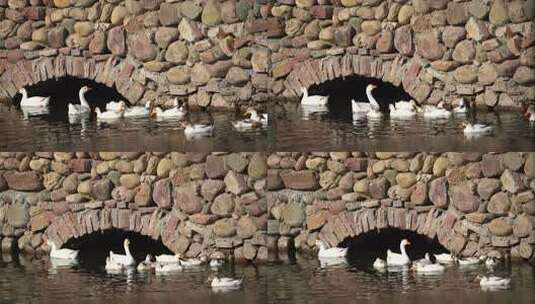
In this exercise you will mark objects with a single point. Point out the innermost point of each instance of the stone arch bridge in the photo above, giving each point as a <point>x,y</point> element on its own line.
<point>220,54</point>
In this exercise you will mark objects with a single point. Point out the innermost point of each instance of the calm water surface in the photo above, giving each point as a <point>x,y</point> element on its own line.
<point>300,281</point>
<point>294,129</point>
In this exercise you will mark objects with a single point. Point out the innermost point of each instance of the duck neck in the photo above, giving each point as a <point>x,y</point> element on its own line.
<point>371,99</point>
<point>127,250</point>
<point>24,94</point>
<point>305,92</point>
<point>53,247</point>
<point>402,249</point>
<point>254,115</point>
<point>83,101</point>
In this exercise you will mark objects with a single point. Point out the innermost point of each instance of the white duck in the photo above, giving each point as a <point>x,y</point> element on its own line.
<point>146,265</point>
<point>109,115</point>
<point>33,102</point>
<point>477,129</point>
<point>168,258</point>
<point>112,266</point>
<point>490,262</point>
<point>396,259</point>
<point>314,100</point>
<point>115,105</point>
<point>83,107</point>
<point>379,264</point>
<point>444,258</point>
<point>360,107</point>
<point>215,263</point>
<point>425,261</point>
<point>246,124</point>
<point>193,262</point>
<point>425,265</point>
<point>138,111</point>
<point>375,109</point>
<point>461,108</point>
<point>61,254</point>
<point>403,111</point>
<point>124,259</point>
<point>192,130</point>
<point>469,261</point>
<point>165,268</point>
<point>334,252</point>
<point>494,281</point>
<point>174,112</point>
<point>217,282</point>
<point>436,111</point>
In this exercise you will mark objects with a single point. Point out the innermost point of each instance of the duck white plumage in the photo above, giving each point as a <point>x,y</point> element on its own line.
<point>375,109</point>
<point>109,115</point>
<point>246,124</point>
<point>34,101</point>
<point>425,265</point>
<point>166,268</point>
<point>199,129</point>
<point>138,111</point>
<point>490,262</point>
<point>217,282</point>
<point>469,261</point>
<point>83,107</point>
<point>61,254</point>
<point>477,129</point>
<point>461,107</point>
<point>444,258</point>
<point>214,263</point>
<point>313,100</point>
<point>398,259</point>
<point>262,118</point>
<point>146,265</point>
<point>494,281</point>
<point>379,264</point>
<point>168,258</point>
<point>437,111</point>
<point>175,112</point>
<point>112,266</point>
<point>360,107</point>
<point>193,262</point>
<point>115,105</point>
<point>401,112</point>
<point>334,252</point>
<point>124,259</point>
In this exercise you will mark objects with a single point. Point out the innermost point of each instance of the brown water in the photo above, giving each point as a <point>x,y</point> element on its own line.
<point>296,129</point>
<point>289,281</point>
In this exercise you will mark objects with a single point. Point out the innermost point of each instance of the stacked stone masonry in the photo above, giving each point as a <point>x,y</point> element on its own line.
<point>222,54</point>
<point>472,203</point>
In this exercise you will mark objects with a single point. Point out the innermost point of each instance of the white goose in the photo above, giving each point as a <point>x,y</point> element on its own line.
<point>61,254</point>
<point>124,259</point>
<point>425,265</point>
<point>193,262</point>
<point>109,115</point>
<point>375,109</point>
<point>174,112</point>
<point>115,105</point>
<point>146,265</point>
<point>217,282</point>
<point>168,258</point>
<point>314,100</point>
<point>494,281</point>
<point>166,268</point>
<point>138,111</point>
<point>83,107</point>
<point>403,111</point>
<point>396,259</point>
<point>200,129</point>
<point>477,129</point>
<point>379,264</point>
<point>461,108</point>
<point>360,107</point>
<point>444,258</point>
<point>33,102</point>
<point>334,252</point>
<point>436,111</point>
<point>112,266</point>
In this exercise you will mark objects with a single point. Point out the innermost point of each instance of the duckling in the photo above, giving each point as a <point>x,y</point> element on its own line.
<point>477,129</point>
<point>314,100</point>
<point>33,102</point>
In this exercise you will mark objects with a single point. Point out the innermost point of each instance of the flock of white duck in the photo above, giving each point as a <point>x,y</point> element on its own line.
<point>160,264</point>
<point>406,110</point>
<point>335,255</point>
<point>118,110</point>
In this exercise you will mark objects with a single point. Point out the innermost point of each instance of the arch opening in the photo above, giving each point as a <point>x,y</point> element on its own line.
<point>363,249</point>
<point>95,247</point>
<point>341,90</point>
<point>65,90</point>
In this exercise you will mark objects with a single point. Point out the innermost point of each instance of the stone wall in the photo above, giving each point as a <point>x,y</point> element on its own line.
<point>472,203</point>
<point>221,54</point>
<point>194,203</point>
